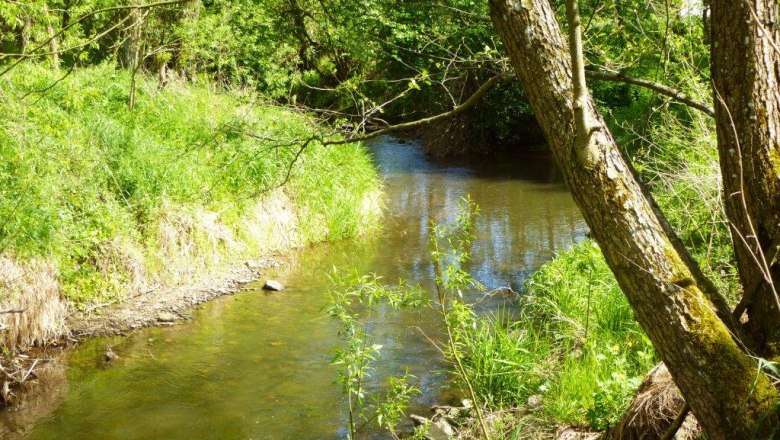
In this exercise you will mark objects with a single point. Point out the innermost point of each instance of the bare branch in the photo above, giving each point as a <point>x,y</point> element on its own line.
<point>467,104</point>
<point>662,89</point>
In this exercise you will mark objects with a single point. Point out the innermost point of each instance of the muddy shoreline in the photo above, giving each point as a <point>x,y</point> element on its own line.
<point>143,309</point>
<point>46,363</point>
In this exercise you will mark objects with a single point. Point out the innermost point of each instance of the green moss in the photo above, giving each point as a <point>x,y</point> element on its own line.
<point>750,398</point>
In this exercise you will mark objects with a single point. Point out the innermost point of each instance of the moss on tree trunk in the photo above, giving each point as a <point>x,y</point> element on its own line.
<point>687,320</point>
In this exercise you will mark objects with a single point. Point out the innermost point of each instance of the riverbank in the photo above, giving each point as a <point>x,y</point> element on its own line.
<point>112,216</point>
<point>576,364</point>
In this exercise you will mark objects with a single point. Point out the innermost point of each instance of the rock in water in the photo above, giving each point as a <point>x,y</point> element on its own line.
<point>273,286</point>
<point>166,317</point>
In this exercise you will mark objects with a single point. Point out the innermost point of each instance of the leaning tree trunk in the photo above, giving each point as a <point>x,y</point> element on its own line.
<point>685,318</point>
<point>746,86</point>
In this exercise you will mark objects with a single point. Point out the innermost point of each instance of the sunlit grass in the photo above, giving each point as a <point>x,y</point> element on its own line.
<point>88,183</point>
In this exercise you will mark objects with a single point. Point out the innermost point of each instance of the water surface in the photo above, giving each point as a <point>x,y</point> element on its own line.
<point>256,365</point>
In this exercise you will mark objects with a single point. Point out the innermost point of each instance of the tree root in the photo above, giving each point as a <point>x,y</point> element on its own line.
<point>15,371</point>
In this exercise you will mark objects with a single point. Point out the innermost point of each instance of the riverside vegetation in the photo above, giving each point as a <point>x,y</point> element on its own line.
<point>99,202</point>
<point>572,354</point>
<point>113,183</point>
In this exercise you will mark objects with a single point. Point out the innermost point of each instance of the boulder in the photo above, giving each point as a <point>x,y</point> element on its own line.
<point>109,355</point>
<point>437,429</point>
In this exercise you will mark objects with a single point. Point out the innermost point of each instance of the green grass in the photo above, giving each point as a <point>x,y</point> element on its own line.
<point>88,183</point>
<point>576,343</point>
<point>505,361</point>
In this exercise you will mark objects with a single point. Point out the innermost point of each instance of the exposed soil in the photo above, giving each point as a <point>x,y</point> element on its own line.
<point>145,308</point>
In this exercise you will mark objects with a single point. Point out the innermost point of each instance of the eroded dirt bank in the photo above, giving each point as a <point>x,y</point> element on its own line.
<point>168,305</point>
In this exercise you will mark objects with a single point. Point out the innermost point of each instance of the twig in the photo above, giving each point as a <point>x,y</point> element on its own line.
<point>26,375</point>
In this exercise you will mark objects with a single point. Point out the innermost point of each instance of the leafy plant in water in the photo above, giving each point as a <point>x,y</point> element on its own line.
<point>354,360</point>
<point>448,249</point>
<point>449,252</point>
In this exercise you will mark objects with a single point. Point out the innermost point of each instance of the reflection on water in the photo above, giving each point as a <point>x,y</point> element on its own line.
<point>256,366</point>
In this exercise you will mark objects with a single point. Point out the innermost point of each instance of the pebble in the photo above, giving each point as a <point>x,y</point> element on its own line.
<point>273,286</point>
<point>166,317</point>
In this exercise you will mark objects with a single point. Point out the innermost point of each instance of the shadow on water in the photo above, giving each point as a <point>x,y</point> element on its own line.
<point>256,366</point>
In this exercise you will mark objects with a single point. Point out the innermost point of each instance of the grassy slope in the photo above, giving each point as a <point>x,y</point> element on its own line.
<point>97,189</point>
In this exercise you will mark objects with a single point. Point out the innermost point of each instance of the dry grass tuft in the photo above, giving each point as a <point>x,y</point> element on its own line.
<point>32,292</point>
<point>124,258</point>
<point>191,241</point>
<point>273,224</point>
<point>655,406</point>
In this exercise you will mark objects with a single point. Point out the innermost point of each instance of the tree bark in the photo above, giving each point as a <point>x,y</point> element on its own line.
<point>688,322</point>
<point>132,38</point>
<point>746,86</point>
<point>54,44</point>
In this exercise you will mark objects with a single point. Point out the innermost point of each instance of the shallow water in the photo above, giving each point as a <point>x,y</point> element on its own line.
<point>256,365</point>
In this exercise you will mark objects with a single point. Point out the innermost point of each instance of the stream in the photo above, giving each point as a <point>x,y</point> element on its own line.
<point>257,365</point>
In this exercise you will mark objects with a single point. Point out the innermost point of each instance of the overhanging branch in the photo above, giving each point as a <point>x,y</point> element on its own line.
<point>465,105</point>
<point>667,91</point>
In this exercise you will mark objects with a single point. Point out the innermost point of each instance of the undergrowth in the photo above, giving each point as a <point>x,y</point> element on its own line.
<point>576,355</point>
<point>92,186</point>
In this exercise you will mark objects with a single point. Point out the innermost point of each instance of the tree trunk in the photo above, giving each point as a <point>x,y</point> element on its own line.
<point>128,52</point>
<point>746,86</point>
<point>54,45</point>
<point>132,51</point>
<point>26,34</point>
<point>688,322</point>
<point>305,42</point>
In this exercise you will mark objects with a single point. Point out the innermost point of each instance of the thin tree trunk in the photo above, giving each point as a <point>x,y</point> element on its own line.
<point>305,42</point>
<point>746,86</point>
<point>54,44</point>
<point>133,49</point>
<point>686,319</point>
<point>129,47</point>
<point>26,33</point>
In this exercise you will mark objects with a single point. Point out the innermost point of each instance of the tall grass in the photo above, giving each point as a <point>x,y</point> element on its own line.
<point>576,347</point>
<point>96,188</point>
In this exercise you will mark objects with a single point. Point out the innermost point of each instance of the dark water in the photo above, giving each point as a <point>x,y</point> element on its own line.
<point>256,366</point>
